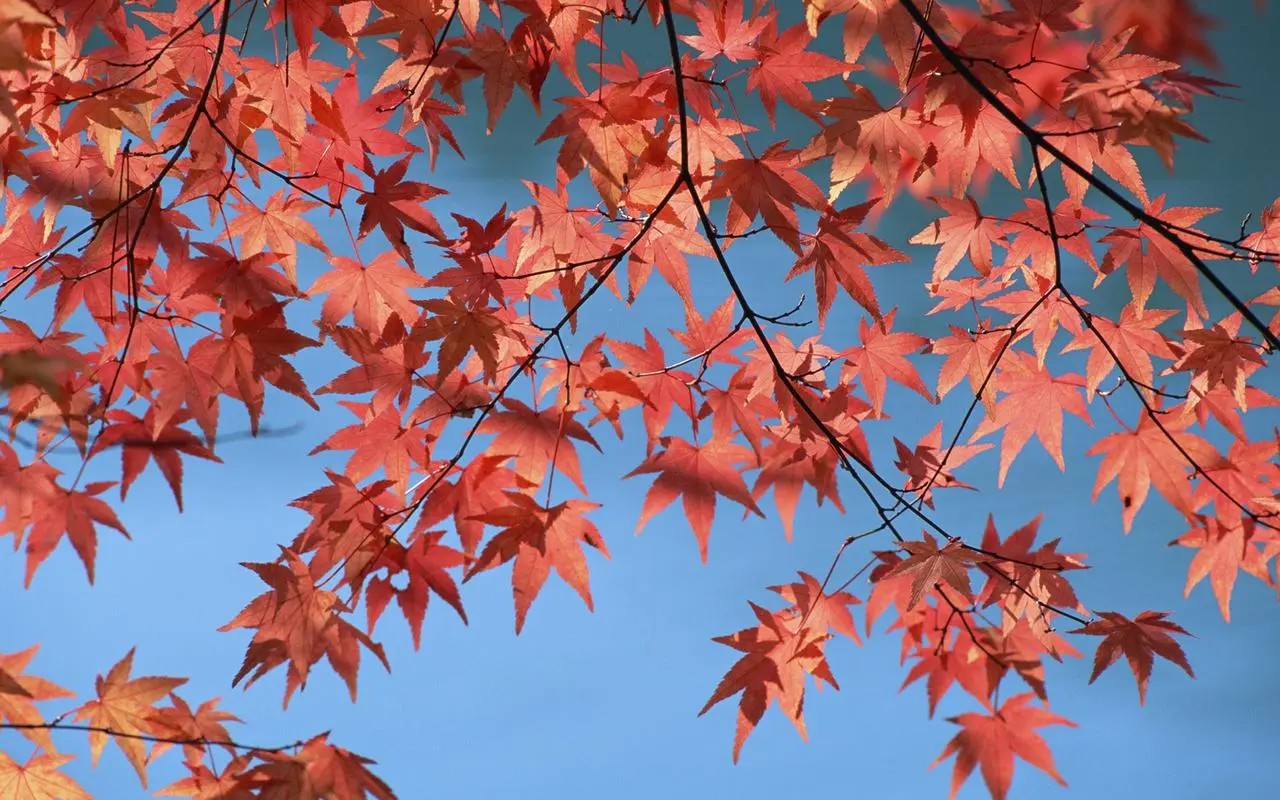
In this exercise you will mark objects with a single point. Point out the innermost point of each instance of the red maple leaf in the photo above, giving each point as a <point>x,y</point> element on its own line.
<point>1033,404</point>
<point>931,566</point>
<point>1140,639</point>
<point>1224,549</point>
<point>140,442</point>
<point>836,254</point>
<point>769,187</point>
<point>991,741</point>
<point>19,694</point>
<point>772,670</point>
<point>422,565</point>
<point>535,438</point>
<point>697,473</point>
<point>1151,455</point>
<point>75,514</point>
<point>723,31</point>
<point>298,623</point>
<point>882,357</point>
<point>371,292</point>
<point>539,539</point>
<point>393,204</point>
<point>963,232</point>
<point>784,66</point>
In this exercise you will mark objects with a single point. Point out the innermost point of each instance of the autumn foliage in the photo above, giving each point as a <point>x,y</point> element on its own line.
<point>169,168</point>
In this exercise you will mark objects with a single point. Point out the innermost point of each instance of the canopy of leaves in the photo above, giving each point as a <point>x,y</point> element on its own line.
<point>169,168</point>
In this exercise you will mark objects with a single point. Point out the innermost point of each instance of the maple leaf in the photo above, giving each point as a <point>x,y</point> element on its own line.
<point>360,124</point>
<point>1217,357</point>
<point>539,538</point>
<point>818,610</point>
<point>1033,404</point>
<point>371,292</point>
<point>279,223</point>
<point>1151,454</point>
<point>19,693</point>
<point>178,721</point>
<point>723,31</point>
<point>1140,639</point>
<point>924,465</point>
<point>424,563</point>
<point>697,473</point>
<point>1028,585</point>
<point>72,513</point>
<point>140,442</point>
<point>1147,254</point>
<point>463,328</point>
<point>481,486</point>
<point>768,187</point>
<point>931,566</point>
<point>991,742</point>
<point>835,255</point>
<point>968,356</point>
<point>231,784</point>
<point>773,669</point>
<point>881,357</point>
<point>964,231</point>
<point>788,467</point>
<point>39,779</point>
<point>318,769</point>
<point>879,138</point>
<point>783,67</point>
<point>1224,548</point>
<point>1132,339</point>
<point>380,440</point>
<point>250,351</point>
<point>299,623</point>
<point>664,389</point>
<point>392,204</point>
<point>126,707</point>
<point>535,438</point>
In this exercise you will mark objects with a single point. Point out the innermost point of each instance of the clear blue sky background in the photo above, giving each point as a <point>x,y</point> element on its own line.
<point>603,704</point>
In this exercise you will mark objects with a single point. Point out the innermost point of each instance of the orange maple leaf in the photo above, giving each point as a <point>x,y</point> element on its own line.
<point>19,694</point>
<point>39,779</point>
<point>125,707</point>
<point>318,770</point>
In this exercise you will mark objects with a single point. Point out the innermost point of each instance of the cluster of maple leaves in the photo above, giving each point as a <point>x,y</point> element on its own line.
<point>162,190</point>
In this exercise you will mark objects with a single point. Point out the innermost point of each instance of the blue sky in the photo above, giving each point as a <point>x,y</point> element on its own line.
<point>604,704</point>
